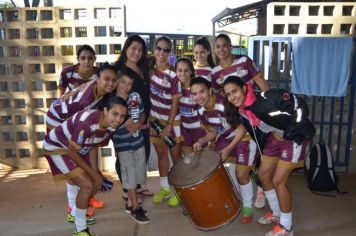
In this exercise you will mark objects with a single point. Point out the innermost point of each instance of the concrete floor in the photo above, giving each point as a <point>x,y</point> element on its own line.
<point>31,204</point>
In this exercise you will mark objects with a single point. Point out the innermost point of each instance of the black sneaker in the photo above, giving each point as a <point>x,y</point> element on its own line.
<point>139,216</point>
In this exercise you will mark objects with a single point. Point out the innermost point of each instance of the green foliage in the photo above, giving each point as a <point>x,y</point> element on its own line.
<point>6,5</point>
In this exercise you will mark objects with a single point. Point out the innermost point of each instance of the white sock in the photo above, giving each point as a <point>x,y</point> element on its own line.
<point>286,220</point>
<point>164,182</point>
<point>72,192</point>
<point>272,198</point>
<point>247,194</point>
<point>259,189</point>
<point>80,219</point>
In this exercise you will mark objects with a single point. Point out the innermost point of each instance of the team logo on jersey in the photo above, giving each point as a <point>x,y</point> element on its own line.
<point>156,91</point>
<point>84,150</point>
<point>80,137</point>
<point>165,81</point>
<point>185,111</point>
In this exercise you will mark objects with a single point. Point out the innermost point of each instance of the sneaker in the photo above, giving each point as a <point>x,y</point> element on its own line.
<point>279,230</point>
<point>90,220</point>
<point>173,201</point>
<point>95,203</point>
<point>246,215</point>
<point>90,212</point>
<point>260,201</point>
<point>128,209</point>
<point>85,232</point>
<point>162,194</point>
<point>139,216</point>
<point>267,219</point>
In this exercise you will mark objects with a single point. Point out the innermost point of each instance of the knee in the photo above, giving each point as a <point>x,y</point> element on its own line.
<point>243,177</point>
<point>278,182</point>
<point>87,187</point>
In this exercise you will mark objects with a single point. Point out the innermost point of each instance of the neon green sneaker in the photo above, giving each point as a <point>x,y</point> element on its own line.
<point>90,220</point>
<point>173,201</point>
<point>85,232</point>
<point>246,215</point>
<point>162,194</point>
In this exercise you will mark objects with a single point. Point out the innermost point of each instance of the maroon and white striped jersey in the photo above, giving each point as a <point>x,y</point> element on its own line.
<point>206,72</point>
<point>70,78</point>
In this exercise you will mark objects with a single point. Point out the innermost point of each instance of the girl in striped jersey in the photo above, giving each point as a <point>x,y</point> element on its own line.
<point>204,62</point>
<point>71,151</point>
<point>228,64</point>
<point>165,92</point>
<point>188,109</point>
<point>84,71</point>
<point>231,142</point>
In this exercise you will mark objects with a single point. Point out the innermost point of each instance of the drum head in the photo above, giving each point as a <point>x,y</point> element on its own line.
<point>201,167</point>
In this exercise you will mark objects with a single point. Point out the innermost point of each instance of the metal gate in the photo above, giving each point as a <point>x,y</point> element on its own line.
<point>332,116</point>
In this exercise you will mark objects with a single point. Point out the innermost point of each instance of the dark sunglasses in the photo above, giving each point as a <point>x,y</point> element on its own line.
<point>165,49</point>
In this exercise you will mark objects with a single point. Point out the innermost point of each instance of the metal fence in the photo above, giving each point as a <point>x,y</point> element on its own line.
<point>332,116</point>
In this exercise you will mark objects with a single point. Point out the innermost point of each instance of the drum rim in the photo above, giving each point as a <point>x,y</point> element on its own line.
<point>198,182</point>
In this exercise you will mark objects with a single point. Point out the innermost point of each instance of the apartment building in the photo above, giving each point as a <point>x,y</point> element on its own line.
<point>311,18</point>
<point>35,44</point>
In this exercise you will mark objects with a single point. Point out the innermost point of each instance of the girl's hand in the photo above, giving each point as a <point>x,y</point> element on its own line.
<point>197,147</point>
<point>166,131</point>
<point>225,153</point>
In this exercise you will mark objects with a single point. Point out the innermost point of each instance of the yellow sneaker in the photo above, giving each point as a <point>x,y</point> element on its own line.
<point>162,194</point>
<point>173,201</point>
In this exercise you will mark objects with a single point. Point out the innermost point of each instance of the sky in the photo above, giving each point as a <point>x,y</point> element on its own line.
<point>166,16</point>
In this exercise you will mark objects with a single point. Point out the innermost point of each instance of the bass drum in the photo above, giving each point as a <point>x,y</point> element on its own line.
<point>205,190</point>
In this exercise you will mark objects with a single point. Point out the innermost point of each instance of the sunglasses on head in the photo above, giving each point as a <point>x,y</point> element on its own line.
<point>165,49</point>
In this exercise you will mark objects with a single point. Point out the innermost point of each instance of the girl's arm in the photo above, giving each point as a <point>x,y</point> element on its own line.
<point>260,81</point>
<point>210,136</point>
<point>172,115</point>
<point>240,134</point>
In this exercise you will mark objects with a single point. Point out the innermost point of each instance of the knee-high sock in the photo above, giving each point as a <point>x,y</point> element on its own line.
<point>286,220</point>
<point>272,198</point>
<point>72,192</point>
<point>247,194</point>
<point>80,219</point>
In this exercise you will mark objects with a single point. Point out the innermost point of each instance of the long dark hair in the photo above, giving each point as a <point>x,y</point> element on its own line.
<point>204,42</point>
<point>227,39</point>
<point>232,112</point>
<point>123,56</point>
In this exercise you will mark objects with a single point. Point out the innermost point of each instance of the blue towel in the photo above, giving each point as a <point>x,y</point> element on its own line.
<point>321,65</point>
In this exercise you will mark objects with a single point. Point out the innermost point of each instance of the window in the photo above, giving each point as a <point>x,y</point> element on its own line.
<point>100,31</point>
<point>2,52</point>
<point>51,85</point>
<point>14,51</point>
<point>101,49</point>
<point>18,86</point>
<point>2,34</point>
<point>80,14</point>
<point>46,15</point>
<point>115,31</point>
<point>80,31</point>
<point>347,10</point>
<point>49,68</point>
<point>24,153</point>
<point>10,153</point>
<point>49,101</point>
<point>345,28</point>
<point>31,15</point>
<point>16,69</point>
<point>329,10</point>
<point>4,70</point>
<point>2,16</point>
<point>106,152</point>
<point>32,33</point>
<point>34,68</point>
<point>279,10</point>
<point>21,136</point>
<point>48,51</point>
<point>47,33</point>
<point>33,51</point>
<point>20,119</point>
<point>38,102</point>
<point>39,152</point>
<point>294,10</point>
<point>67,50</point>
<point>115,13</point>
<point>40,136</point>
<point>293,28</point>
<point>66,32</point>
<point>37,85</point>
<point>8,136</point>
<point>278,29</point>
<point>5,103</point>
<point>313,10</point>
<point>12,16</point>
<point>312,28</point>
<point>14,33</point>
<point>326,28</point>
<point>6,120</point>
<point>65,14</point>
<point>38,119</point>
<point>19,103</point>
<point>115,48</point>
<point>100,13</point>
<point>4,87</point>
